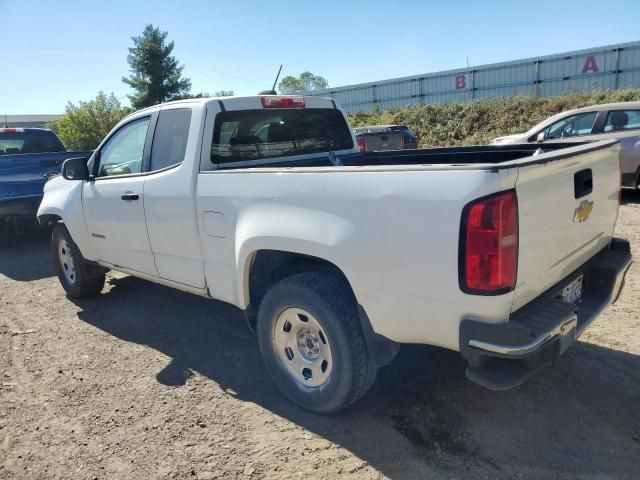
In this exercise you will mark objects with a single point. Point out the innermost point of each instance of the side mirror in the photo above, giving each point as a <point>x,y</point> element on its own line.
<point>540,137</point>
<point>75,169</point>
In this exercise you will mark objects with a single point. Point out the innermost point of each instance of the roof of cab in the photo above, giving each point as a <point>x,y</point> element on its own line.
<point>607,106</point>
<point>204,100</point>
<point>379,128</point>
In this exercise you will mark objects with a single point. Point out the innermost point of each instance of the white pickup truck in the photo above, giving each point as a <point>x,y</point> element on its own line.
<point>504,254</point>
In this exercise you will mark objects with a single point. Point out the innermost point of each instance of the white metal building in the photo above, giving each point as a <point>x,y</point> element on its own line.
<point>24,121</point>
<point>601,68</point>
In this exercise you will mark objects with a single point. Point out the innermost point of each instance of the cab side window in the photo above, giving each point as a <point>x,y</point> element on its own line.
<point>170,138</point>
<point>122,154</point>
<point>573,126</point>
<point>621,120</point>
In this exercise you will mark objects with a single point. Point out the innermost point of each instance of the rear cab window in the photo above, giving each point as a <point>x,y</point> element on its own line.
<point>17,140</point>
<point>251,135</point>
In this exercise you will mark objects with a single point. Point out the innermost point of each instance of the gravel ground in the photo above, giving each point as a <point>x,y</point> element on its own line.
<point>148,382</point>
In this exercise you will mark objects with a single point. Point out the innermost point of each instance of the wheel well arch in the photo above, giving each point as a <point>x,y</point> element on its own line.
<point>267,267</point>
<point>49,219</point>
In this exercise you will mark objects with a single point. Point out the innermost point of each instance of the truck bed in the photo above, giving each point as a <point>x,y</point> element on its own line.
<point>422,193</point>
<point>453,156</point>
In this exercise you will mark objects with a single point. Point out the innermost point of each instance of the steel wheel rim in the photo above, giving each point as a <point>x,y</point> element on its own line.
<point>303,347</point>
<point>66,261</point>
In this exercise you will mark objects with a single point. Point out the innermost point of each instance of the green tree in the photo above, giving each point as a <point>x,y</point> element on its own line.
<point>156,75</point>
<point>303,83</point>
<point>219,93</point>
<point>83,126</point>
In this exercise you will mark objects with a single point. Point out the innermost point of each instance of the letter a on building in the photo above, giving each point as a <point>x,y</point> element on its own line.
<point>590,65</point>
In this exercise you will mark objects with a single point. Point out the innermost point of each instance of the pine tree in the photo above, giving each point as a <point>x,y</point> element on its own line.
<point>156,75</point>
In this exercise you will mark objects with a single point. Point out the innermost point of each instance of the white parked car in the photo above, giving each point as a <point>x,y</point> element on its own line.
<point>620,121</point>
<point>338,257</point>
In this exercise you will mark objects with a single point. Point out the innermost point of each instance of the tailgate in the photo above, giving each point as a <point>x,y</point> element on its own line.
<point>561,223</point>
<point>24,175</point>
<point>383,141</point>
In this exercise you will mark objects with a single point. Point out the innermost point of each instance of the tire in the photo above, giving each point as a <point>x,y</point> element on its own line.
<point>312,343</point>
<point>78,278</point>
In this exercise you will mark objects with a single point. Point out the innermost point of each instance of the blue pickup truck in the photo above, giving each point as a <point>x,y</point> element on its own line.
<point>28,158</point>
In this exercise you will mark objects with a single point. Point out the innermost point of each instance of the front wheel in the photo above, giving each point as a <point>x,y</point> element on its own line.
<point>312,343</point>
<point>78,278</point>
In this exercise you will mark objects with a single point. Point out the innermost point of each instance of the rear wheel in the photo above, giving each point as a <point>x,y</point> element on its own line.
<point>312,343</point>
<point>78,278</point>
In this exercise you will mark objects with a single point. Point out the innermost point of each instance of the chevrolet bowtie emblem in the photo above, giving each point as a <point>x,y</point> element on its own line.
<point>583,211</point>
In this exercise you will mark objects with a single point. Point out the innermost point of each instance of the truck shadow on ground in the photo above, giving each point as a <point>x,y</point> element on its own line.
<point>630,196</point>
<point>577,419</point>
<point>25,255</point>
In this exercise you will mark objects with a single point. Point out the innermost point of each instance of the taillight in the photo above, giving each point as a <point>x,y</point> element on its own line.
<point>362,144</point>
<point>276,101</point>
<point>489,245</point>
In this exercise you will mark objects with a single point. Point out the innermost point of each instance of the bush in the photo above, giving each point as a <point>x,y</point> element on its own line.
<point>83,126</point>
<point>480,121</point>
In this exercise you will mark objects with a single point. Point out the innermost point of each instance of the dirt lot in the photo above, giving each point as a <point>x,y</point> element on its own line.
<point>147,382</point>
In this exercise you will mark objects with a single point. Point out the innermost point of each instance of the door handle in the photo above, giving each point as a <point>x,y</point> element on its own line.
<point>129,196</point>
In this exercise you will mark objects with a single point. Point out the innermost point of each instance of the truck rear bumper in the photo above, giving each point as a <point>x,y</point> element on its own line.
<point>503,356</point>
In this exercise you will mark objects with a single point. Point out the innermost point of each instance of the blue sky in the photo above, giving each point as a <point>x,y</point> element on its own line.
<point>55,52</point>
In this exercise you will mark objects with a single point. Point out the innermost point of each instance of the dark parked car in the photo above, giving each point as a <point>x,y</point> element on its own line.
<point>28,158</point>
<point>385,137</point>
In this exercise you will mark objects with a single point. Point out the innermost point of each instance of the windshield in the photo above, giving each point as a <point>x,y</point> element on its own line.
<point>29,141</point>
<point>545,123</point>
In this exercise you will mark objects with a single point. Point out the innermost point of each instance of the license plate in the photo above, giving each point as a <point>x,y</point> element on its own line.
<point>572,293</point>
